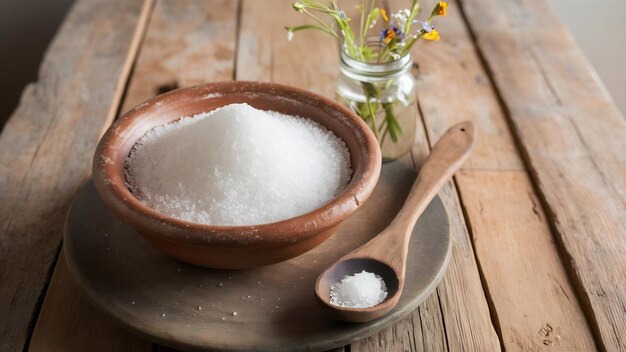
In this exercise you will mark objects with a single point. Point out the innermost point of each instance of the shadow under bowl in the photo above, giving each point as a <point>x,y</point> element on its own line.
<point>235,247</point>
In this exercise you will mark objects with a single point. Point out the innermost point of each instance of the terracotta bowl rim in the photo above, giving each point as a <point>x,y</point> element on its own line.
<point>137,214</point>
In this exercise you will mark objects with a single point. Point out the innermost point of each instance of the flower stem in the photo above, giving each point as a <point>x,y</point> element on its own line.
<point>371,93</point>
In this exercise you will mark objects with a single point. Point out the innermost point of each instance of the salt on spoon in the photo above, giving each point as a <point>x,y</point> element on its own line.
<point>385,255</point>
<point>361,290</point>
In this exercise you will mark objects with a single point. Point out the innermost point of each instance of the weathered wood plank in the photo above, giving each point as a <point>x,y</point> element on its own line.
<point>309,61</point>
<point>266,54</point>
<point>453,87</point>
<point>535,304</point>
<point>505,287</point>
<point>46,147</point>
<point>573,139</point>
<point>466,314</point>
<point>186,43</point>
<point>522,294</point>
<point>82,328</point>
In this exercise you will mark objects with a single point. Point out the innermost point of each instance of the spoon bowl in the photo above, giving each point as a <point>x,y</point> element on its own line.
<point>350,267</point>
<point>386,254</point>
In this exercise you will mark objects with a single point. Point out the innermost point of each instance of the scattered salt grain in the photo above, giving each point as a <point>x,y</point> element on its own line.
<point>237,165</point>
<point>361,290</point>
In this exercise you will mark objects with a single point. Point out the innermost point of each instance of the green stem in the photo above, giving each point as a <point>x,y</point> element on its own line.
<point>390,125</point>
<point>319,21</point>
<point>371,92</point>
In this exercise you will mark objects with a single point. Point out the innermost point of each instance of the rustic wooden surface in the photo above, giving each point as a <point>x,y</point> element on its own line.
<point>538,212</point>
<point>66,299</point>
<point>573,140</point>
<point>46,148</point>
<point>529,296</point>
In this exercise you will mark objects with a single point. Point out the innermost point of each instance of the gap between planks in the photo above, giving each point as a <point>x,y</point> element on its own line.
<point>438,300</point>
<point>580,261</point>
<point>39,140</point>
<point>79,326</point>
<point>453,65</point>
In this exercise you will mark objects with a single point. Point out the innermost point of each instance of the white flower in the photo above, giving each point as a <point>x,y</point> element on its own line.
<point>426,27</point>
<point>399,18</point>
<point>289,35</point>
<point>373,24</point>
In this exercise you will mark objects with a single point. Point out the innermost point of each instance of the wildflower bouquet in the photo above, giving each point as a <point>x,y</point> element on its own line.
<point>379,98</point>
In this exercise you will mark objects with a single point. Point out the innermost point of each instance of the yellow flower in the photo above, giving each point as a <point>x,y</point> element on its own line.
<point>432,35</point>
<point>384,14</point>
<point>441,9</point>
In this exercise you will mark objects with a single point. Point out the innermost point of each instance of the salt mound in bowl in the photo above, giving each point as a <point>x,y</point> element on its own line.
<point>240,246</point>
<point>238,165</point>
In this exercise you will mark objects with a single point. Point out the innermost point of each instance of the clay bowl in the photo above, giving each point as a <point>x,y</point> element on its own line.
<point>235,247</point>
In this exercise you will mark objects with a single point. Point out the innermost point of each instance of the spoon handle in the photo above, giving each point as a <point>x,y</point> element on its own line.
<point>444,160</point>
<point>391,245</point>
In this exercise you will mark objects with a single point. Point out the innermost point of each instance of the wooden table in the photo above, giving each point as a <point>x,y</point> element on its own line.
<point>538,212</point>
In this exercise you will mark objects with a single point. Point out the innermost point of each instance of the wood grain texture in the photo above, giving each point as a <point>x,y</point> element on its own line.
<point>521,304</point>
<point>46,148</point>
<point>82,328</point>
<point>306,60</point>
<point>573,140</point>
<point>535,305</point>
<point>205,54</point>
<point>187,43</point>
<point>309,61</point>
<point>452,87</point>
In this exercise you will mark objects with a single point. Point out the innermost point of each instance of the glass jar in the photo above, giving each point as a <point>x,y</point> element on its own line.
<point>384,96</point>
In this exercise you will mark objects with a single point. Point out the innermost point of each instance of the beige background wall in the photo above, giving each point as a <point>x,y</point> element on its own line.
<point>599,26</point>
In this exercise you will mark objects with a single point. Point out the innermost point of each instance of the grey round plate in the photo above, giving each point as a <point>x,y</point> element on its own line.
<point>192,308</point>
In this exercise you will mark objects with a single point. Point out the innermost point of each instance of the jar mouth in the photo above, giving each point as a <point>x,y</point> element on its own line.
<point>374,71</point>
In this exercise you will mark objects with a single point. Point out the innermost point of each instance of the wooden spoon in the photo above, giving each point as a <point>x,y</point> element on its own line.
<point>386,254</point>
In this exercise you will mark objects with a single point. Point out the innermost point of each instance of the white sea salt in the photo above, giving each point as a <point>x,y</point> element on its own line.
<point>361,290</point>
<point>237,165</point>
